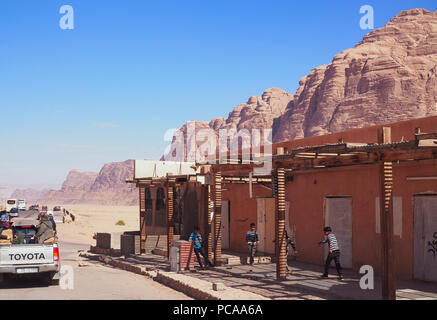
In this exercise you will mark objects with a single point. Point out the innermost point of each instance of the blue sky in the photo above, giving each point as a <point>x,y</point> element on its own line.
<point>109,89</point>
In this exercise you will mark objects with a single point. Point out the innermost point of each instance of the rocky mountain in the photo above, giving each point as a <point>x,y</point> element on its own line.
<point>390,76</point>
<point>77,180</point>
<point>108,187</point>
<point>257,112</point>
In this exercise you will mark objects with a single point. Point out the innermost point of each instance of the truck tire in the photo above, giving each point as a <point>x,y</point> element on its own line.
<point>47,278</point>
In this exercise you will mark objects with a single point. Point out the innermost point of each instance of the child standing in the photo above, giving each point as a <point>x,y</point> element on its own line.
<point>289,243</point>
<point>252,239</point>
<point>334,252</point>
<point>196,239</point>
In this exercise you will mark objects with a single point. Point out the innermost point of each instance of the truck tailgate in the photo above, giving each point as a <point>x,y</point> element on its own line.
<point>17,254</point>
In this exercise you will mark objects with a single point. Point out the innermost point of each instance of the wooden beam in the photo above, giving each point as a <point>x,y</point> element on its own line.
<point>388,278</point>
<point>218,218</point>
<point>142,195</point>
<point>425,136</point>
<point>280,243</point>
<point>210,216</point>
<point>170,221</point>
<point>374,157</point>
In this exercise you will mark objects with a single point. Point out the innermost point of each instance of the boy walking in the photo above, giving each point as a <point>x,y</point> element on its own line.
<point>196,239</point>
<point>334,252</point>
<point>252,239</point>
<point>289,243</point>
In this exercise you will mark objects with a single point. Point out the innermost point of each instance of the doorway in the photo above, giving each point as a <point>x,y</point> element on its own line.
<point>266,224</point>
<point>338,215</point>
<point>425,237</point>
<point>225,224</point>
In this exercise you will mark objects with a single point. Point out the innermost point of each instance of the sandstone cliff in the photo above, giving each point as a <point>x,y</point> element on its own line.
<point>390,76</point>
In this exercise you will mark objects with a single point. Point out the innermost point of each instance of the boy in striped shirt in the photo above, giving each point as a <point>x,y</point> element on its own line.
<point>334,252</point>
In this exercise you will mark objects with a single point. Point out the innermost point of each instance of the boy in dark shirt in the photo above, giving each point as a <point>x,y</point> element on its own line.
<point>334,252</point>
<point>252,240</point>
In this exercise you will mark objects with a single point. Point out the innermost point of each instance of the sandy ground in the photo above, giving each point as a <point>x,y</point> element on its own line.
<point>93,218</point>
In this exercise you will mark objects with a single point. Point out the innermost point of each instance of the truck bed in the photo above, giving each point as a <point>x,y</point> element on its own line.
<point>28,258</point>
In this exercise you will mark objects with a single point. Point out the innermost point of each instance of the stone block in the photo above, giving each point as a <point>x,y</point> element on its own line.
<point>218,286</point>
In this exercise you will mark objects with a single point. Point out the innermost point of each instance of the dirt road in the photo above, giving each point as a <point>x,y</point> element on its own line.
<point>91,281</point>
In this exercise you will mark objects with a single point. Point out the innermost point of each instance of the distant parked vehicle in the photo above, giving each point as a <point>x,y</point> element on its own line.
<point>21,204</point>
<point>59,216</point>
<point>11,203</point>
<point>34,207</point>
<point>13,213</point>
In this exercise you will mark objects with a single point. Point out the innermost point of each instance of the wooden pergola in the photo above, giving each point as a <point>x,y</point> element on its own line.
<point>169,183</point>
<point>383,154</point>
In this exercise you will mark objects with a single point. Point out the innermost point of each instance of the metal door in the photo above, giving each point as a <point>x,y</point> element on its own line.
<point>425,237</point>
<point>266,224</point>
<point>225,224</point>
<point>269,245</point>
<point>338,215</point>
<point>261,219</point>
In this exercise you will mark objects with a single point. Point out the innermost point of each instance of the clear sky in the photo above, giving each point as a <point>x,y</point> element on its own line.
<point>110,88</point>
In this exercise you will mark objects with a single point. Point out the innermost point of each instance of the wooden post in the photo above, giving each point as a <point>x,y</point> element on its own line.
<point>153,191</point>
<point>170,222</point>
<point>210,215</point>
<point>281,254</point>
<point>142,195</point>
<point>218,219</point>
<point>388,277</point>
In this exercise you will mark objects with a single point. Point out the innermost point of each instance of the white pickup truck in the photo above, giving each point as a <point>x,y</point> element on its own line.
<point>30,258</point>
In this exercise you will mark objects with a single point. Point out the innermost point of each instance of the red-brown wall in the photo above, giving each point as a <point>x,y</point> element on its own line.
<point>242,211</point>
<point>308,190</point>
<point>307,193</point>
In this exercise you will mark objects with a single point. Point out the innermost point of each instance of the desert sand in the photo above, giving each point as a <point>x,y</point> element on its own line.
<point>93,218</point>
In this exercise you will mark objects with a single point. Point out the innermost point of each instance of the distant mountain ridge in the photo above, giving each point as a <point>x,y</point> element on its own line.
<point>108,187</point>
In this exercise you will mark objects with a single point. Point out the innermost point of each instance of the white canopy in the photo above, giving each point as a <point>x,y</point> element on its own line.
<point>160,169</point>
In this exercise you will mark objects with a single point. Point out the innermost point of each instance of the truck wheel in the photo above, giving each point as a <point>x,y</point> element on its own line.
<point>47,278</point>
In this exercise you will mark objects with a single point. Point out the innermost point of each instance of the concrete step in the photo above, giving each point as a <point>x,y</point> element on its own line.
<point>233,260</point>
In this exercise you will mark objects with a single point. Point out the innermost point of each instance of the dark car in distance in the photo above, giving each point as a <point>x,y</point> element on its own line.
<point>13,213</point>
